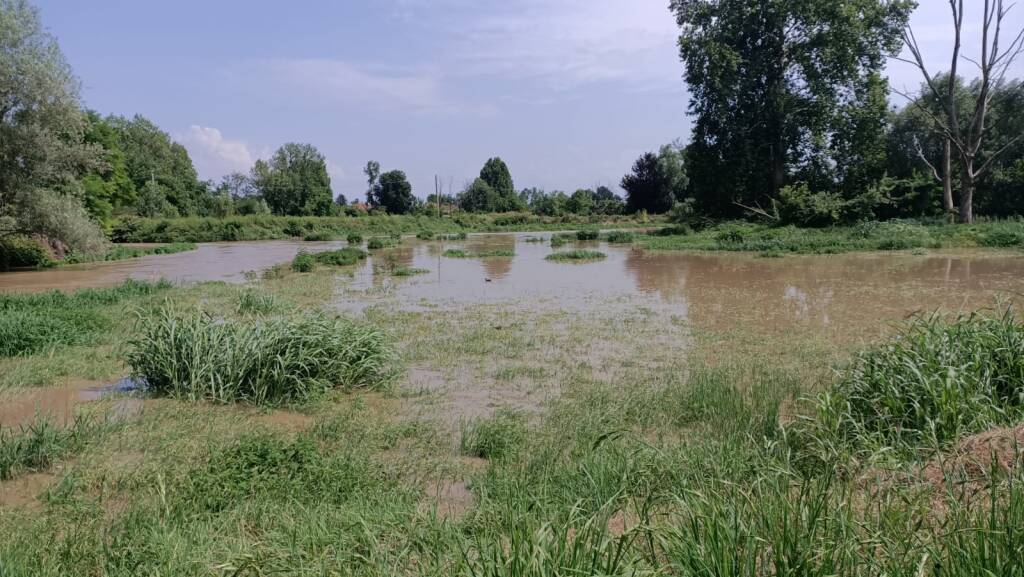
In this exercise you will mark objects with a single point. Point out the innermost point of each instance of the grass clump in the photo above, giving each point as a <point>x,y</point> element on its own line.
<point>354,238</point>
<point>407,271</point>
<point>461,253</point>
<point>425,235</point>
<point>36,446</point>
<point>308,261</point>
<point>454,236</point>
<point>620,237</point>
<point>257,302</point>
<point>576,255</point>
<point>933,383</point>
<point>32,323</point>
<point>587,234</point>
<point>258,360</point>
<point>379,242</point>
<point>495,437</point>
<point>558,240</point>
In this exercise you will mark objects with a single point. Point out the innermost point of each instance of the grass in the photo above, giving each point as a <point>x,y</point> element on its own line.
<point>620,237</point>
<point>308,261</point>
<point>34,323</point>
<point>258,302</point>
<point>462,253</point>
<point>576,255</point>
<point>865,236</point>
<point>195,229</point>
<point>496,437</point>
<point>587,234</point>
<point>935,382</point>
<point>378,242</point>
<point>354,238</point>
<point>36,446</point>
<point>319,236</point>
<point>194,356</point>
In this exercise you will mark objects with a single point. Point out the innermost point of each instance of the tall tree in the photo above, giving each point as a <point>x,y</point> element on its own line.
<point>394,193</point>
<point>372,172</point>
<point>657,181</point>
<point>496,174</point>
<point>769,81</point>
<point>966,141</point>
<point>295,181</point>
<point>42,148</point>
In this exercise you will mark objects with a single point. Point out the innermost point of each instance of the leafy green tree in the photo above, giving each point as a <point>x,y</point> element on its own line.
<point>151,155</point>
<point>771,82</point>
<point>394,193</point>
<point>603,193</point>
<point>497,176</point>
<point>657,181</point>
<point>107,188</point>
<point>372,172</point>
<point>479,197</point>
<point>581,202</point>
<point>152,202</point>
<point>295,181</point>
<point>43,153</point>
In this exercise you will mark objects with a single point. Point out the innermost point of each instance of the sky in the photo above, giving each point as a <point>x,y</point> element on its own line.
<point>567,92</point>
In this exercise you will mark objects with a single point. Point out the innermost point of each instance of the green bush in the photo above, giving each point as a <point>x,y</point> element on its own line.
<point>341,257</point>
<point>18,251</point>
<point>620,237</point>
<point>354,238</point>
<point>933,383</point>
<point>576,255</point>
<point>319,236</point>
<point>259,360</point>
<point>587,234</point>
<point>461,253</point>
<point>304,262</point>
<point>425,235</point>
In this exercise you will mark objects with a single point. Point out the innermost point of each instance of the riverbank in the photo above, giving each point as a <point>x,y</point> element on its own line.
<point>867,236</point>
<point>673,422</point>
<point>280,227</point>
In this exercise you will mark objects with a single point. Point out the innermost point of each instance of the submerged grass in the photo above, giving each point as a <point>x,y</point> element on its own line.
<point>576,255</point>
<point>308,261</point>
<point>865,236</point>
<point>194,356</point>
<point>462,253</point>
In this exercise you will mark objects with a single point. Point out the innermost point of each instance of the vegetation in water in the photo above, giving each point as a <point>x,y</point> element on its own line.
<point>354,238</point>
<point>576,255</point>
<point>620,237</point>
<point>489,253</point>
<point>308,261</point>
<point>590,234</point>
<point>34,447</point>
<point>258,360</point>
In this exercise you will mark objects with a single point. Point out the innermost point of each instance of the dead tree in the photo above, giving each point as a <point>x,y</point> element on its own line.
<point>966,142</point>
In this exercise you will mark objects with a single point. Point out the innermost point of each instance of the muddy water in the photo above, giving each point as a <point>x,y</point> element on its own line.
<point>227,261</point>
<point>720,290</point>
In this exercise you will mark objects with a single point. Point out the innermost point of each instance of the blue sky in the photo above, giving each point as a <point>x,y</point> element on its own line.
<point>568,92</point>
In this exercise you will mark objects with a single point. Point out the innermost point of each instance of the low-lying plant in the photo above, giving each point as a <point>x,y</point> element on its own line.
<point>319,236</point>
<point>495,437</point>
<point>620,237</point>
<point>34,447</point>
<point>587,234</point>
<point>257,302</point>
<point>308,261</point>
<point>461,253</point>
<point>354,238</point>
<point>259,360</point>
<point>576,255</point>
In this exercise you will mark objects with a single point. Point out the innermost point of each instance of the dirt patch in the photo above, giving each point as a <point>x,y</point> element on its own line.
<point>22,492</point>
<point>59,403</point>
<point>285,420</point>
<point>450,499</point>
<point>977,456</point>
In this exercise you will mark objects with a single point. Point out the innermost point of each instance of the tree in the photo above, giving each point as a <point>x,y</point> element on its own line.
<point>497,176</point>
<point>657,181</point>
<point>43,153</point>
<point>295,181</point>
<point>372,172</point>
<point>394,193</point>
<point>770,82</point>
<point>603,193</point>
<point>581,202</point>
<point>479,197</point>
<point>966,141</point>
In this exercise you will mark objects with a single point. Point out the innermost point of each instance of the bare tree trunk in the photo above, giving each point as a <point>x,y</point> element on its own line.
<point>966,215</point>
<point>947,178</point>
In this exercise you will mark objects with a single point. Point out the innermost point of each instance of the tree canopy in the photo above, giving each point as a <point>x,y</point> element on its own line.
<point>295,181</point>
<point>657,181</point>
<point>394,193</point>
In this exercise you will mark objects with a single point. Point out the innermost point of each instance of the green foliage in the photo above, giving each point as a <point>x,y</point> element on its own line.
<point>257,302</point>
<point>761,121</point>
<point>558,240</point>
<point>591,234</point>
<point>295,181</point>
<point>35,447</point>
<point>259,360</point>
<point>304,262</point>
<point>620,237</point>
<point>118,252</point>
<point>319,236</point>
<point>307,261</point>
<point>581,202</point>
<point>460,253</point>
<point>33,323</point>
<point>394,193</point>
<point>354,238</point>
<point>496,174</point>
<point>496,437</point>
<point>425,235</point>
<point>576,255</point>
<point>493,191</point>
<point>933,383</point>
<point>18,251</point>
<point>656,182</point>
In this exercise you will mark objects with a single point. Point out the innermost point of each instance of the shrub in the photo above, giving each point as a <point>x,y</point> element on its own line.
<point>19,251</point>
<point>576,255</point>
<point>931,384</point>
<point>354,238</point>
<point>620,237</point>
<point>341,257</point>
<point>587,235</point>
<point>425,235</point>
<point>497,437</point>
<point>260,360</point>
<point>378,242</point>
<point>560,240</point>
<point>318,237</point>
<point>304,262</point>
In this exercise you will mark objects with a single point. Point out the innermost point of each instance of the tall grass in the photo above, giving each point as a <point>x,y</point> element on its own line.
<point>576,255</point>
<point>934,382</point>
<point>493,253</point>
<point>259,360</point>
<point>32,323</point>
<point>308,261</point>
<point>36,446</point>
<point>118,252</point>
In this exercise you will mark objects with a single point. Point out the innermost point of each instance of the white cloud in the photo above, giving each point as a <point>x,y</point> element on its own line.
<point>214,155</point>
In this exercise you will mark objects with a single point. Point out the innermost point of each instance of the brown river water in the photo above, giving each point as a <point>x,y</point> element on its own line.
<point>716,289</point>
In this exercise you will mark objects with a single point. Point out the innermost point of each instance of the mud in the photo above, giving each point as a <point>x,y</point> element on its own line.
<point>58,404</point>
